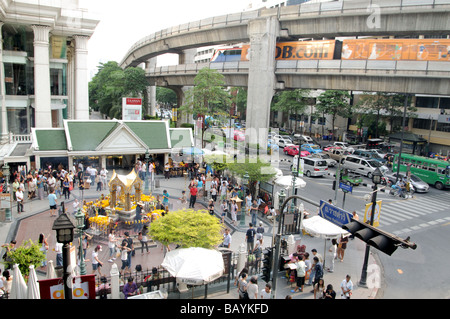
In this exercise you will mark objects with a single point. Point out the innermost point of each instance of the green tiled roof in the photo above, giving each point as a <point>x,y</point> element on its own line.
<point>51,140</point>
<point>87,135</point>
<point>154,134</point>
<point>180,138</point>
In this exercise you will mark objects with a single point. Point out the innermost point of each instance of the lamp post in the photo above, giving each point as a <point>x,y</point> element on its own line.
<point>64,235</point>
<point>376,179</point>
<point>245,180</point>
<point>147,155</point>
<point>276,258</point>
<point>7,173</point>
<point>80,225</point>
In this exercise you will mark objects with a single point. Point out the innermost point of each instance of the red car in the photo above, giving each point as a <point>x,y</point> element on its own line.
<point>293,150</point>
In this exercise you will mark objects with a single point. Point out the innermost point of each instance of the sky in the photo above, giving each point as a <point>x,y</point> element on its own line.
<point>121,26</point>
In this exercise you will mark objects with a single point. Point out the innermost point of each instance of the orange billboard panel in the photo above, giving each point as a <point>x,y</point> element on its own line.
<point>305,50</point>
<point>396,49</point>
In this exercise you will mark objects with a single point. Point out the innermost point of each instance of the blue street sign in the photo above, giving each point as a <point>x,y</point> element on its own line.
<point>334,214</point>
<point>346,188</point>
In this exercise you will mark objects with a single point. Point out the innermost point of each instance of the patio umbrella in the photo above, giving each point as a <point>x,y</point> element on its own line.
<point>50,270</point>
<point>32,285</point>
<point>320,227</point>
<point>286,182</point>
<point>192,151</point>
<point>194,265</point>
<point>19,287</point>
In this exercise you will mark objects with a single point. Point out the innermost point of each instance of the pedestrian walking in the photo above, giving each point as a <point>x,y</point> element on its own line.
<point>112,245</point>
<point>242,286</point>
<point>329,293</point>
<point>59,257</point>
<point>66,187</point>
<point>142,237</point>
<point>254,211</point>
<point>96,263</point>
<point>138,217</point>
<point>341,247</point>
<point>183,198</point>
<point>19,199</point>
<point>318,270</point>
<point>226,239</point>
<point>234,208</point>
<point>165,200</point>
<point>124,252</point>
<point>250,238</point>
<point>346,288</point>
<point>52,201</point>
<point>193,191</point>
<point>44,248</point>
<point>131,246</point>
<point>266,292</point>
<point>301,272</point>
<point>319,289</point>
<point>332,255</point>
<point>252,288</point>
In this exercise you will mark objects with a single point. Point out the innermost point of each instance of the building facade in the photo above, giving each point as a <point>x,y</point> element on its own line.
<point>43,64</point>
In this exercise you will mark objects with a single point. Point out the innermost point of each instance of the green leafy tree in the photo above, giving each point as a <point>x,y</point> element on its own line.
<point>27,254</point>
<point>111,84</point>
<point>334,103</point>
<point>256,171</point>
<point>208,96</point>
<point>166,96</point>
<point>187,228</point>
<point>292,102</point>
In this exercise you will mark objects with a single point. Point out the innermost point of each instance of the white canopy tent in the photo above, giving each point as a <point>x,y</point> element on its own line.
<point>317,226</point>
<point>194,265</point>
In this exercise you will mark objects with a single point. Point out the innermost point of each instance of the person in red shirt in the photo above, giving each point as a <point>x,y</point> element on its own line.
<point>193,190</point>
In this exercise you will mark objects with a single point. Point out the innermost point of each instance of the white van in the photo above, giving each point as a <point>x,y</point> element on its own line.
<point>314,166</point>
<point>363,166</point>
<point>303,138</point>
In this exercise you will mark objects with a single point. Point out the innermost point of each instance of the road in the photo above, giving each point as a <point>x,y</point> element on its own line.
<point>421,273</point>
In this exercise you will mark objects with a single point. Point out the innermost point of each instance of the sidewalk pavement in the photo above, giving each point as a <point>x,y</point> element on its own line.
<point>36,219</point>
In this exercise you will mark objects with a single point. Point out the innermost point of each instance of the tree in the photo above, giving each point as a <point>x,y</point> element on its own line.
<point>335,103</point>
<point>166,96</point>
<point>27,254</point>
<point>292,102</point>
<point>187,228</point>
<point>208,96</point>
<point>111,84</point>
<point>386,105</point>
<point>258,171</point>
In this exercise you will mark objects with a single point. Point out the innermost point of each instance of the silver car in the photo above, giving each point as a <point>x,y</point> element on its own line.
<point>331,162</point>
<point>419,185</point>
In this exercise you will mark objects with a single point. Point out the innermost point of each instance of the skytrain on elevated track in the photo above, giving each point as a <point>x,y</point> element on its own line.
<point>349,49</point>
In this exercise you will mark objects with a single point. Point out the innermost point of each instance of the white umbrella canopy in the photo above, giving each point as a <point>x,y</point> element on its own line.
<point>33,285</point>
<point>194,265</point>
<point>51,273</point>
<point>19,287</point>
<point>286,182</point>
<point>320,227</point>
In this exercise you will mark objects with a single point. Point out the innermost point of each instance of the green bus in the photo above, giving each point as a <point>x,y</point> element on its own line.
<point>432,171</point>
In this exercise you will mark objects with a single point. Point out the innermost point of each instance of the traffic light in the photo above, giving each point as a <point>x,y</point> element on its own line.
<point>267,264</point>
<point>377,238</point>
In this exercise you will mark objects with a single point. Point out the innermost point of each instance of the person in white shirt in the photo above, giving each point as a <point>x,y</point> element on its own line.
<point>252,288</point>
<point>346,288</point>
<point>266,292</point>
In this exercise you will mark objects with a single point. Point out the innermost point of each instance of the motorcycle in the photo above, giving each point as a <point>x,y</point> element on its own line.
<point>406,193</point>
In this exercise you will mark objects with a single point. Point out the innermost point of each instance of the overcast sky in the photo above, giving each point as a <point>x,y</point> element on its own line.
<point>122,25</point>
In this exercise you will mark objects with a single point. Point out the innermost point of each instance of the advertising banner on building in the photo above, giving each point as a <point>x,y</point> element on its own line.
<point>131,109</point>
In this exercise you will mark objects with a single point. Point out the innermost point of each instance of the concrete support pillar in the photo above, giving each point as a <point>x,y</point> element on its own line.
<point>263,33</point>
<point>151,90</point>
<point>81,78</point>
<point>5,135</point>
<point>42,96</point>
